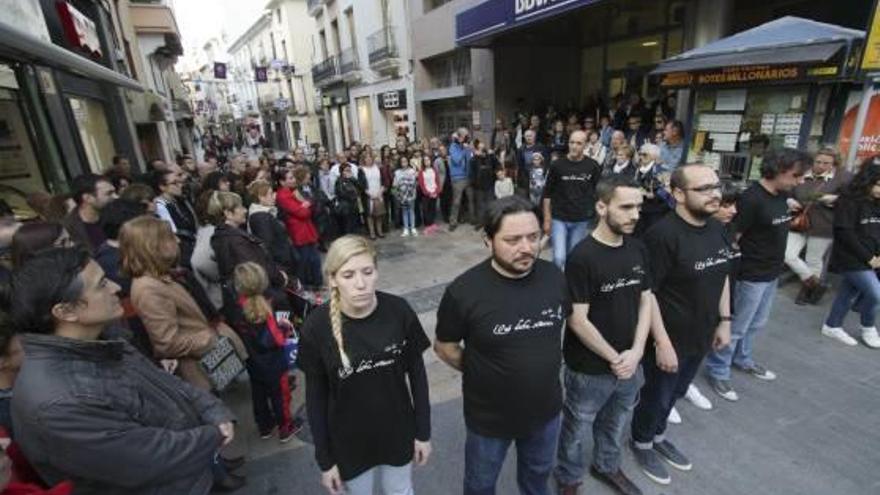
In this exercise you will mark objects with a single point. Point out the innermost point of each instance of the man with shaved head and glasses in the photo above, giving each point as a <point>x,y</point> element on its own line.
<point>689,266</point>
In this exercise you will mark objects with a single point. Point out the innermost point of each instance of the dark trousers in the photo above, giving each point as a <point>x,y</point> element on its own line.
<point>271,399</point>
<point>482,198</point>
<point>446,200</point>
<point>430,208</point>
<point>309,269</point>
<point>659,394</point>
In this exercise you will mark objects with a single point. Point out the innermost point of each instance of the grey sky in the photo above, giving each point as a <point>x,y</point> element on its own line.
<point>200,20</point>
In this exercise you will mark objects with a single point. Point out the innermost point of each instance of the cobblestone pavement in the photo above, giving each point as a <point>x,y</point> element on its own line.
<point>812,431</point>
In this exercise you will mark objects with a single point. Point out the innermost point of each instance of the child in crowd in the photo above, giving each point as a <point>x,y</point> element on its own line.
<point>537,179</point>
<point>405,192</point>
<point>265,336</point>
<point>503,184</point>
<point>429,185</point>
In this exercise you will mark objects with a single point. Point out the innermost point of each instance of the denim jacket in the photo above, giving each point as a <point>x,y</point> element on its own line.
<point>100,414</point>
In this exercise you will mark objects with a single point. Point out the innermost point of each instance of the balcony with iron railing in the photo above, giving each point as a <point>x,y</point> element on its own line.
<point>383,54</point>
<point>326,71</point>
<point>349,66</point>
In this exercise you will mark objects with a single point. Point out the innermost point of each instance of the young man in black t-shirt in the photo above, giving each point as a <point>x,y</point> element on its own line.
<point>689,261</point>
<point>509,311</point>
<point>570,197</point>
<point>608,282</point>
<point>762,224</point>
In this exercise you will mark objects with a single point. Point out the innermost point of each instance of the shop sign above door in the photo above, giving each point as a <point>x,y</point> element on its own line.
<point>755,74</point>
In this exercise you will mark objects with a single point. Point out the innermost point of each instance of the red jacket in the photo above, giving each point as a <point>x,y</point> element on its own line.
<point>297,218</point>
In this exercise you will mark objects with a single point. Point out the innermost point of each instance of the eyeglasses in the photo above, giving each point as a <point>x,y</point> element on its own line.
<point>705,189</point>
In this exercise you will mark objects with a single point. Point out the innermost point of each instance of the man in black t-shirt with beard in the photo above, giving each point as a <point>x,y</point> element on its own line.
<point>509,311</point>
<point>608,281</point>
<point>690,263</point>
<point>764,212</point>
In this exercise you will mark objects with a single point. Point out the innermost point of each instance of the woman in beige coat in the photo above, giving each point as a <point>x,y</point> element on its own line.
<point>176,325</point>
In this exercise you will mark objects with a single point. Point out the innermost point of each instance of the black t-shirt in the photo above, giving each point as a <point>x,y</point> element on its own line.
<point>511,329</point>
<point>611,280</point>
<point>571,187</point>
<point>763,220</point>
<point>95,233</point>
<point>735,257</point>
<point>856,234</point>
<point>689,265</point>
<point>371,419</point>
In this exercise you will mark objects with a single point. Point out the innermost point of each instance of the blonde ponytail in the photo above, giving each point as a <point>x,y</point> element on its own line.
<point>250,281</point>
<point>336,325</point>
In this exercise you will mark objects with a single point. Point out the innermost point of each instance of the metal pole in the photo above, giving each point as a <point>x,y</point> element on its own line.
<point>867,93</point>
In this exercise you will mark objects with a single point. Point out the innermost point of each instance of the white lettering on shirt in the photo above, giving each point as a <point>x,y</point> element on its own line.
<point>365,365</point>
<point>549,317</point>
<point>871,220</point>
<point>781,220</point>
<point>619,284</point>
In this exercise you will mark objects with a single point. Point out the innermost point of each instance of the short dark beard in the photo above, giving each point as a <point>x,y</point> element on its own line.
<point>509,268</point>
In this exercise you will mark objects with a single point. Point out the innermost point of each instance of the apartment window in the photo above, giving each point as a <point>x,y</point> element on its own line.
<point>452,69</point>
<point>284,50</point>
<point>272,42</point>
<point>278,15</point>
<point>334,31</point>
<point>349,20</point>
<point>322,36</point>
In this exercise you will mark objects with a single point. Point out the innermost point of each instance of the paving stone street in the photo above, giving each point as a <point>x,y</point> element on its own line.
<point>812,431</point>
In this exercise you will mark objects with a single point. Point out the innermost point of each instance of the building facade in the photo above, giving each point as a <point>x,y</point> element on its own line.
<point>476,61</point>
<point>363,71</point>
<point>63,110</point>
<point>271,81</point>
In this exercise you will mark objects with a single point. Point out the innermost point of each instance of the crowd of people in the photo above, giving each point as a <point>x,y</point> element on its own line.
<point>118,298</point>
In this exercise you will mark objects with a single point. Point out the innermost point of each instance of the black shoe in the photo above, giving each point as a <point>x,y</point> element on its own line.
<point>817,293</point>
<point>803,296</point>
<point>233,463</point>
<point>617,480</point>
<point>230,483</point>
<point>452,228</point>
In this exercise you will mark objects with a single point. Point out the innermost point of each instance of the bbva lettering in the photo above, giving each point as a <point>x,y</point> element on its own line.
<point>524,6</point>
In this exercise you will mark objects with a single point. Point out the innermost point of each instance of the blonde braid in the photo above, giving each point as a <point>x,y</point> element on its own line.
<point>336,324</point>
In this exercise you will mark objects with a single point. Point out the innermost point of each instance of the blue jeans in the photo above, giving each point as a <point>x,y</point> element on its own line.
<point>659,394</point>
<point>863,285</point>
<point>409,216</point>
<point>600,402</point>
<point>565,236</point>
<point>753,302</point>
<point>484,456</point>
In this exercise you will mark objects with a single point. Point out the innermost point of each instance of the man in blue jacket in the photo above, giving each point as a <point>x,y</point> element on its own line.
<point>460,153</point>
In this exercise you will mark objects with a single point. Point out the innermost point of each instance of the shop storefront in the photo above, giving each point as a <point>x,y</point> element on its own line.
<point>336,105</point>
<point>783,84</point>
<point>63,111</point>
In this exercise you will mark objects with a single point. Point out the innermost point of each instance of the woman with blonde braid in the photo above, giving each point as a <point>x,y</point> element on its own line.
<point>357,352</point>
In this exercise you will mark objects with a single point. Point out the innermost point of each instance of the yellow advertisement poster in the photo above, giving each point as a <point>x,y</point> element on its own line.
<point>871,59</point>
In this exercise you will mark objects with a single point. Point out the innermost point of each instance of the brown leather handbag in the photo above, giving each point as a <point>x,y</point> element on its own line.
<point>801,221</point>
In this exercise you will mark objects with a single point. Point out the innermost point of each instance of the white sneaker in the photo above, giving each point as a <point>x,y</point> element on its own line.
<point>414,232</point>
<point>840,335</point>
<point>695,397</point>
<point>870,337</point>
<point>674,417</point>
<point>405,233</point>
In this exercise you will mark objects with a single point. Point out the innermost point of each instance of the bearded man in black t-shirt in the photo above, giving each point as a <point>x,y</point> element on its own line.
<point>509,311</point>
<point>764,212</point>
<point>690,263</point>
<point>609,285</point>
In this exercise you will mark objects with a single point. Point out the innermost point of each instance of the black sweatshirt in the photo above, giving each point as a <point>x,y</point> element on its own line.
<point>363,416</point>
<point>856,234</point>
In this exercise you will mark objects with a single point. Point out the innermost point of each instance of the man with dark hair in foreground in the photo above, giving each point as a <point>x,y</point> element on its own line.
<point>96,411</point>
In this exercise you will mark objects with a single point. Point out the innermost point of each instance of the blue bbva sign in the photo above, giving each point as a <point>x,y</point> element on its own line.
<point>496,16</point>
